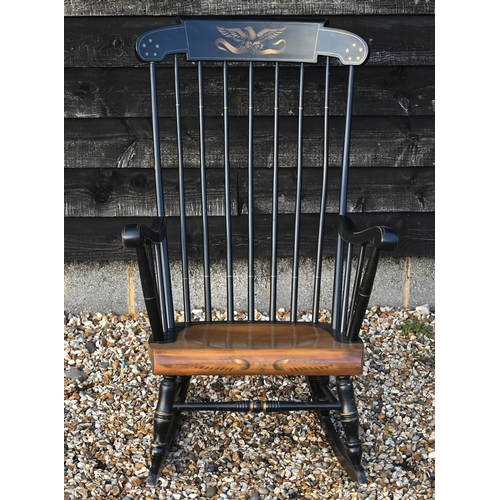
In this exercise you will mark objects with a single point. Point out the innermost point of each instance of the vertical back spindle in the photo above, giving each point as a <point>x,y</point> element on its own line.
<point>161,254</point>
<point>274,245</point>
<point>227,191</point>
<point>251,263</point>
<point>324,185</point>
<point>298,199</point>
<point>337,283</point>
<point>204,203</point>
<point>182,196</point>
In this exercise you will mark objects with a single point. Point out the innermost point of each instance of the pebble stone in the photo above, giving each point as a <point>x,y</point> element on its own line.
<point>211,491</point>
<point>110,396</point>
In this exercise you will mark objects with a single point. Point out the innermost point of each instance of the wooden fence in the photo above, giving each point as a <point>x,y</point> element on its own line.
<point>108,148</point>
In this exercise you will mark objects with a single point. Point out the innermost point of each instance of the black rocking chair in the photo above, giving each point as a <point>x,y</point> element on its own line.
<point>278,72</point>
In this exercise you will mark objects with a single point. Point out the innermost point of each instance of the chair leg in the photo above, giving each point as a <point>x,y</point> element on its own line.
<point>350,422</point>
<point>180,396</point>
<point>162,427</point>
<point>171,389</point>
<point>348,453</point>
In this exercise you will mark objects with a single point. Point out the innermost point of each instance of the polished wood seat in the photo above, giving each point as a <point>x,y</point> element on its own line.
<point>256,349</point>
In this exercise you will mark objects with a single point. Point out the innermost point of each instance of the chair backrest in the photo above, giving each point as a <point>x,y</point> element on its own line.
<point>246,70</point>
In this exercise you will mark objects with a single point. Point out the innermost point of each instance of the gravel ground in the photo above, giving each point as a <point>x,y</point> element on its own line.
<point>110,396</point>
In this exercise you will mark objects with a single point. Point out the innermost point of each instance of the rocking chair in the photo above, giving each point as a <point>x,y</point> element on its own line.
<point>274,62</point>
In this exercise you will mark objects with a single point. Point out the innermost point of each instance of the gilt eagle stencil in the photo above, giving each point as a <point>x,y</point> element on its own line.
<point>248,39</point>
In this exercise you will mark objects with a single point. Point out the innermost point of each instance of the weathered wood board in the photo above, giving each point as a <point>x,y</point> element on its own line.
<point>108,154</point>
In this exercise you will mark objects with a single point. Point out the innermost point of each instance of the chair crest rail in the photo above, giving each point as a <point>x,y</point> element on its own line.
<point>251,40</point>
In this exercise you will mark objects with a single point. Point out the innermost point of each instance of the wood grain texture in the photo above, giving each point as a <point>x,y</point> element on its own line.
<point>373,190</point>
<point>131,192</point>
<point>124,92</point>
<point>110,42</point>
<point>255,349</point>
<point>377,141</point>
<point>99,238</point>
<point>256,7</point>
<point>108,130</point>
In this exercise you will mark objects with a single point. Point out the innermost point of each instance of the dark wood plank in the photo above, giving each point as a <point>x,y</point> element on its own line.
<point>99,238</point>
<point>127,143</point>
<point>129,192</point>
<point>110,42</point>
<point>394,105</point>
<point>374,190</point>
<point>256,7</point>
<point>393,91</point>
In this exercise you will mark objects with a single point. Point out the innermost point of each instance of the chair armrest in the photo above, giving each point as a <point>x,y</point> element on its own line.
<point>135,235</point>
<point>378,237</point>
<point>138,236</point>
<point>381,237</point>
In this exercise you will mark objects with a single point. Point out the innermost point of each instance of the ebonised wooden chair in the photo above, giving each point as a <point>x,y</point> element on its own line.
<point>287,51</point>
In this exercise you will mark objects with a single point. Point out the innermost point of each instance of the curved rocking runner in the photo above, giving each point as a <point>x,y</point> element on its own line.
<point>314,350</point>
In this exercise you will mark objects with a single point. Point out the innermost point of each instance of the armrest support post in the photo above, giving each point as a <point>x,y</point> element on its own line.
<point>156,289</point>
<point>362,297</point>
<point>150,292</point>
<point>380,238</point>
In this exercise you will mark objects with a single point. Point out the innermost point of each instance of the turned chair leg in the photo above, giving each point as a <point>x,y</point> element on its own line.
<point>350,423</point>
<point>348,450</point>
<point>162,423</point>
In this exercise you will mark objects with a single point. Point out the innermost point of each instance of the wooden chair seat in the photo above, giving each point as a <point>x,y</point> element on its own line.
<point>256,349</point>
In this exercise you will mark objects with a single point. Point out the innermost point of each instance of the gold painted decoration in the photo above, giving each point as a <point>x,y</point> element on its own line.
<point>247,39</point>
<point>252,40</point>
<point>354,52</point>
<point>300,366</point>
<point>226,365</point>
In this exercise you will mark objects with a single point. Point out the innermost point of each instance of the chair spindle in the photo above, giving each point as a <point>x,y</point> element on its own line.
<point>298,199</point>
<point>204,203</point>
<point>345,287</point>
<point>162,262</point>
<point>227,192</point>
<point>251,258</point>
<point>182,196</point>
<point>324,186</point>
<point>337,283</point>
<point>274,236</point>
<point>357,283</point>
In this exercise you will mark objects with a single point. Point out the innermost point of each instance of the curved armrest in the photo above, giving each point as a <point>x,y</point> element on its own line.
<point>381,237</point>
<point>135,235</point>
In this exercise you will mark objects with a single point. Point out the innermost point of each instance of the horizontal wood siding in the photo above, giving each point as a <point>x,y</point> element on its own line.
<point>123,92</point>
<point>236,8</point>
<point>108,148</point>
<point>126,142</point>
<point>131,192</point>
<point>84,243</point>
